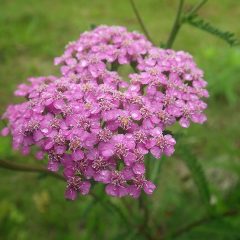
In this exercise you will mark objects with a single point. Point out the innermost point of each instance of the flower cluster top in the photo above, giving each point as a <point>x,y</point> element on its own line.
<point>96,126</point>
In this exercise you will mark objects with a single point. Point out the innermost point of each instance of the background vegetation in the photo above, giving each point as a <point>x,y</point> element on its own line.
<point>32,33</point>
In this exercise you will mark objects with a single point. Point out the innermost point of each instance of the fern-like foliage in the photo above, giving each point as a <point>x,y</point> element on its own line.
<point>200,23</point>
<point>197,173</point>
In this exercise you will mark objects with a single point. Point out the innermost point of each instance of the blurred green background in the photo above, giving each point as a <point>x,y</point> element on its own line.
<point>32,33</point>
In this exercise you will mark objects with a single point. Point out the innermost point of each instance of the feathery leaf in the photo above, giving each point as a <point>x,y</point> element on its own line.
<point>201,24</point>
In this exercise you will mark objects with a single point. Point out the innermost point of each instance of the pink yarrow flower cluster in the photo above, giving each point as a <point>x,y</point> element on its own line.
<point>96,126</point>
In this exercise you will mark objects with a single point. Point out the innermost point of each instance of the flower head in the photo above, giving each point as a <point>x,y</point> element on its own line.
<point>96,126</point>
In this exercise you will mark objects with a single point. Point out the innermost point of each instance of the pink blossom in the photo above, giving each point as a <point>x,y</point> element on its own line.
<point>94,124</point>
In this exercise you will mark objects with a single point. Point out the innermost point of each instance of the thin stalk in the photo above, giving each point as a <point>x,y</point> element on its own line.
<point>176,25</point>
<point>140,21</point>
<point>196,7</point>
<point>144,201</point>
<point>28,168</point>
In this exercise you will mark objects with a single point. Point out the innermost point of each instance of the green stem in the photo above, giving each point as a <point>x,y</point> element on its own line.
<point>176,26</point>
<point>140,21</point>
<point>28,168</point>
<point>197,7</point>
<point>144,201</point>
<point>143,207</point>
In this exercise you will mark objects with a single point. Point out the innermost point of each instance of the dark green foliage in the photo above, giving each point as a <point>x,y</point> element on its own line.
<point>197,173</point>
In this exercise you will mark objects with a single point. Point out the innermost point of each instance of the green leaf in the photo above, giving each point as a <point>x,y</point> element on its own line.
<point>201,24</point>
<point>197,172</point>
